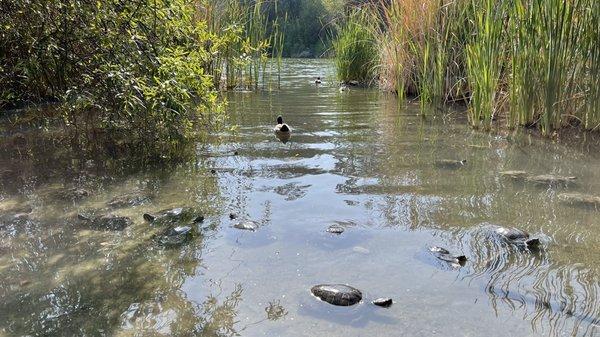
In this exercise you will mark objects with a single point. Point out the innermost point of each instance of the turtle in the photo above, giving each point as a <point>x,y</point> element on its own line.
<point>444,255</point>
<point>108,222</point>
<point>248,225</point>
<point>552,180</point>
<point>175,215</point>
<point>518,237</point>
<point>335,229</point>
<point>450,163</point>
<point>580,199</point>
<point>337,294</point>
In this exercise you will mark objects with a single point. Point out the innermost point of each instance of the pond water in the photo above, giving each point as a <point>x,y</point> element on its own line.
<point>355,158</point>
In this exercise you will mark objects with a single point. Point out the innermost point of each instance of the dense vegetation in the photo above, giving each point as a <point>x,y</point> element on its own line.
<point>137,74</point>
<point>522,62</point>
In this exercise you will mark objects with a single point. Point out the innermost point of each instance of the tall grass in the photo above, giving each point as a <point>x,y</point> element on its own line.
<point>532,63</point>
<point>252,40</point>
<point>355,51</point>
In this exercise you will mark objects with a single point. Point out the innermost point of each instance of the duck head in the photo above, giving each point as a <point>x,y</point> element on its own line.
<point>279,120</point>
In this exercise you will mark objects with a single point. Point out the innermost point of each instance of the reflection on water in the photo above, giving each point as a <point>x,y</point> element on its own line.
<point>354,159</point>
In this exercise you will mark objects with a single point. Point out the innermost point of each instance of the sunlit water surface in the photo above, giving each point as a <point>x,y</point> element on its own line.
<point>358,159</point>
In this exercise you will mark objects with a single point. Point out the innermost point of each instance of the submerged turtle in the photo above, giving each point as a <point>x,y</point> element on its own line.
<point>175,215</point>
<point>514,174</point>
<point>108,222</point>
<point>444,255</point>
<point>518,237</point>
<point>335,229</point>
<point>580,199</point>
<point>248,225</point>
<point>450,163</point>
<point>337,294</point>
<point>552,180</point>
<point>73,194</point>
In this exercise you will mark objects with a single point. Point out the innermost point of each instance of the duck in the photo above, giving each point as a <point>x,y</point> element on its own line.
<point>344,88</point>
<point>318,81</point>
<point>282,130</point>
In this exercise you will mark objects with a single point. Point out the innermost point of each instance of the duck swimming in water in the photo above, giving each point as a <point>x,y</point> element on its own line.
<point>281,127</point>
<point>318,81</point>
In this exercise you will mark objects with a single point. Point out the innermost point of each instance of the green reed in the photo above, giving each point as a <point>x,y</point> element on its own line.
<point>520,62</point>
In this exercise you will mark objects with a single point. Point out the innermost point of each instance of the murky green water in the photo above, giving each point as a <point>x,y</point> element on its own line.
<point>356,159</point>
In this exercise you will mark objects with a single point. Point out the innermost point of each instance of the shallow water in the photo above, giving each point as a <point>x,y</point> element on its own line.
<point>356,159</point>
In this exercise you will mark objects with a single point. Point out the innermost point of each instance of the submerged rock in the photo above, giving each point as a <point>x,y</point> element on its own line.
<point>107,222</point>
<point>579,199</point>
<point>552,180</point>
<point>129,200</point>
<point>247,225</point>
<point>383,302</point>
<point>518,237</point>
<point>73,194</point>
<point>335,229</point>
<point>185,215</point>
<point>337,294</point>
<point>175,236</point>
<point>450,164</point>
<point>514,174</point>
<point>444,255</point>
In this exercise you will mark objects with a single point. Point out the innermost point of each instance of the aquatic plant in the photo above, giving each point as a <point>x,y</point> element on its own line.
<point>523,62</point>
<point>354,48</point>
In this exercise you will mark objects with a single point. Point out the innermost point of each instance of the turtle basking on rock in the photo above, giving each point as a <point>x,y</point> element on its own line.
<point>444,255</point>
<point>517,237</point>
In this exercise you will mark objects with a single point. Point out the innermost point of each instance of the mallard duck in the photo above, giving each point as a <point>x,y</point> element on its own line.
<point>281,127</point>
<point>318,81</point>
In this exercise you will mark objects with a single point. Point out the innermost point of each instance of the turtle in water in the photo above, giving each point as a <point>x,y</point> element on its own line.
<point>580,199</point>
<point>444,255</point>
<point>518,237</point>
<point>128,200</point>
<point>551,180</point>
<point>248,225</point>
<point>450,163</point>
<point>514,174</point>
<point>107,222</point>
<point>175,215</point>
<point>337,294</point>
<point>335,229</point>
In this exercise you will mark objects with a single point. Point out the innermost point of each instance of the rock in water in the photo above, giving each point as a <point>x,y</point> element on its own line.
<point>580,199</point>
<point>335,229</point>
<point>551,180</point>
<point>175,215</point>
<point>246,225</point>
<point>444,255</point>
<point>383,302</point>
<point>450,164</point>
<point>337,294</point>
<point>518,237</point>
<point>175,236</point>
<point>106,222</point>
<point>514,174</point>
